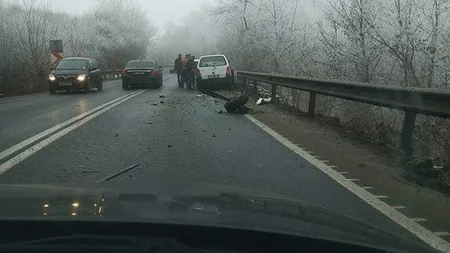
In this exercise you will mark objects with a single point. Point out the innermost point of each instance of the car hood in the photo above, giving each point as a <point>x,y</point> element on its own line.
<point>194,204</point>
<point>68,72</point>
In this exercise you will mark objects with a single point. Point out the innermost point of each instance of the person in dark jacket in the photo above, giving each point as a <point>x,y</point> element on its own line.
<point>190,71</point>
<point>179,70</point>
<point>185,70</point>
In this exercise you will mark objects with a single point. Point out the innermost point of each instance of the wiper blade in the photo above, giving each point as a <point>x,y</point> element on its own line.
<point>76,239</point>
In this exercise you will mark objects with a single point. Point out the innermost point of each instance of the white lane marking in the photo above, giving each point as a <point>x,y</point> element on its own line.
<point>382,197</point>
<point>399,207</point>
<point>354,179</point>
<point>45,142</point>
<point>442,233</point>
<point>333,166</point>
<point>39,136</point>
<point>419,219</point>
<point>367,187</point>
<point>343,172</point>
<point>409,224</point>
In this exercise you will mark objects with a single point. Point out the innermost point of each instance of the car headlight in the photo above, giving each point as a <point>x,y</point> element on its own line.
<point>81,78</point>
<point>51,78</point>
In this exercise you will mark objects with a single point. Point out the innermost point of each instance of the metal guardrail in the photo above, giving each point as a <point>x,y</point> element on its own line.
<point>112,74</point>
<point>413,101</point>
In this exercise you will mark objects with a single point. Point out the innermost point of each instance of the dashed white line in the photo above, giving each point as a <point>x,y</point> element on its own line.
<point>381,197</point>
<point>442,233</point>
<point>343,172</point>
<point>399,207</point>
<point>367,187</point>
<point>409,224</point>
<point>354,179</point>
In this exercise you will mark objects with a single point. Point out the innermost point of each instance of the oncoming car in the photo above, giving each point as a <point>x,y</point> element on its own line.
<point>75,73</point>
<point>214,71</point>
<point>144,73</point>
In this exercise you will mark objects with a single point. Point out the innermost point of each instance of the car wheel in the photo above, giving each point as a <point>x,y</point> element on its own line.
<point>88,87</point>
<point>100,87</point>
<point>200,86</point>
<point>52,90</point>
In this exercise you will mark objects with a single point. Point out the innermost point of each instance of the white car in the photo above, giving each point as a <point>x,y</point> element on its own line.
<point>214,71</point>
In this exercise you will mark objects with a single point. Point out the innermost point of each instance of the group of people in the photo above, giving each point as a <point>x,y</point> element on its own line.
<point>185,68</point>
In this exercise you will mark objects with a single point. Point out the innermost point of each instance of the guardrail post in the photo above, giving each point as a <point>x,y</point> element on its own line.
<point>407,133</point>
<point>312,104</point>
<point>243,84</point>
<point>273,97</point>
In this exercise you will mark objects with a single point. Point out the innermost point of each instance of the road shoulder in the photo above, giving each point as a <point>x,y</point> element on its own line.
<point>366,165</point>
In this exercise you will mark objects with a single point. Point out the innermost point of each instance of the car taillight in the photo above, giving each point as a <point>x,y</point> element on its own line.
<point>197,72</point>
<point>154,72</point>
<point>125,71</point>
<point>228,70</point>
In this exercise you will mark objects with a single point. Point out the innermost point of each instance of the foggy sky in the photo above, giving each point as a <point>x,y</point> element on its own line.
<point>158,11</point>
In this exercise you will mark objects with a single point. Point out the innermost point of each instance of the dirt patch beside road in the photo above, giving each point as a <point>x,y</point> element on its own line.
<point>368,164</point>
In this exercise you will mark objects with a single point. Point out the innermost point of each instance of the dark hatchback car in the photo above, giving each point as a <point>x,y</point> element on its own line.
<point>75,73</point>
<point>144,73</point>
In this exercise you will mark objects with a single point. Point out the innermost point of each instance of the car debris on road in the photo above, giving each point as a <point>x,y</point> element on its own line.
<point>237,104</point>
<point>262,101</point>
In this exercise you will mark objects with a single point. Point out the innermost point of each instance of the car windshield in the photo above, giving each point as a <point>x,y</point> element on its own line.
<point>72,65</point>
<point>337,104</point>
<point>140,64</point>
<point>212,61</point>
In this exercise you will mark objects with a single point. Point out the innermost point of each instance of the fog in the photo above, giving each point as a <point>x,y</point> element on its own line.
<point>396,42</point>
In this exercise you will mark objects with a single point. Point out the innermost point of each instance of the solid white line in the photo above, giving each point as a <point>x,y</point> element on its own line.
<point>45,142</point>
<point>39,136</point>
<point>419,219</point>
<point>409,224</point>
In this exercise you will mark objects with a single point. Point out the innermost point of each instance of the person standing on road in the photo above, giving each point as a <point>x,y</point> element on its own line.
<point>190,71</point>
<point>184,68</point>
<point>179,70</point>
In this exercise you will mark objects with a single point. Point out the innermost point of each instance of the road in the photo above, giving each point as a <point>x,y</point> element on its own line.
<point>184,138</point>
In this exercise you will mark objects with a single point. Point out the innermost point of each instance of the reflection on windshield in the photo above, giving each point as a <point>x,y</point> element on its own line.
<point>140,64</point>
<point>72,65</point>
<point>212,61</point>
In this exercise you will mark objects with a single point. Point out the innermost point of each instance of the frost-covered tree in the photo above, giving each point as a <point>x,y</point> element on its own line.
<point>113,33</point>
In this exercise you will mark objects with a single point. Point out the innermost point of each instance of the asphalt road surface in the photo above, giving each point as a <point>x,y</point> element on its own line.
<point>184,138</point>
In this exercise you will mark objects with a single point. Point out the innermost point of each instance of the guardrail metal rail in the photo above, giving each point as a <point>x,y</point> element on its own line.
<point>413,101</point>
